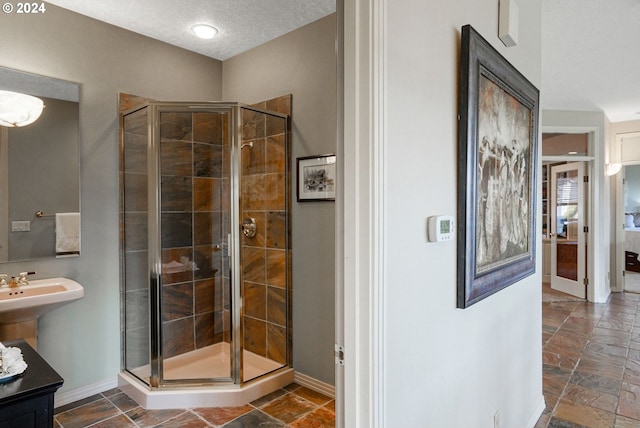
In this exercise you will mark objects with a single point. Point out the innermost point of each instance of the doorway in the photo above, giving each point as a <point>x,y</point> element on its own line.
<point>628,213</point>
<point>566,166</point>
<point>568,250</point>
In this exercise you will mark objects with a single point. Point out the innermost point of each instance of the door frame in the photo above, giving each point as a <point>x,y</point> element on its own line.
<point>590,214</point>
<point>560,283</point>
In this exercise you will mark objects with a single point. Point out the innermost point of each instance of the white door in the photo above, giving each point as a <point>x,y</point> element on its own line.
<point>568,243</point>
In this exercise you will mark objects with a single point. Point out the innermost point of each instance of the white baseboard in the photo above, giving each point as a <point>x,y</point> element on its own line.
<point>537,413</point>
<point>316,385</point>
<point>66,397</point>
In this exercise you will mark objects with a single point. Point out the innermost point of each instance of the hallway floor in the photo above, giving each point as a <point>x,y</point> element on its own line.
<point>294,406</point>
<point>591,357</point>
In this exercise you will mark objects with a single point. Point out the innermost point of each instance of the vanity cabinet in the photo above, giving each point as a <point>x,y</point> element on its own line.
<point>27,402</point>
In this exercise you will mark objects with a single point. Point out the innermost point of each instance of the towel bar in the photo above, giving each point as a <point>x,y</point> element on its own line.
<point>42,214</point>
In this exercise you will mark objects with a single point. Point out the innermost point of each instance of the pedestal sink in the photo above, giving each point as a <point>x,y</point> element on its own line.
<point>20,307</point>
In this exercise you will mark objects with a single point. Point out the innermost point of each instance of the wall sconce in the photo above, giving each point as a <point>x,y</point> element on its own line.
<point>19,109</point>
<point>612,168</point>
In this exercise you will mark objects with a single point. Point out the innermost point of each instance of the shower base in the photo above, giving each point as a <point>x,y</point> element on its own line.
<point>209,362</point>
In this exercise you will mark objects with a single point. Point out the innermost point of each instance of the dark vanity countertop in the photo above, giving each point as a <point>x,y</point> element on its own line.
<point>38,378</point>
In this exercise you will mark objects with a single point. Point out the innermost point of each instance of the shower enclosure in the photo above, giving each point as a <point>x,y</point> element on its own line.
<point>205,245</point>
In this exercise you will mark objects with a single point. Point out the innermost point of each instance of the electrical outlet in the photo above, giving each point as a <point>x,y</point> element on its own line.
<point>496,419</point>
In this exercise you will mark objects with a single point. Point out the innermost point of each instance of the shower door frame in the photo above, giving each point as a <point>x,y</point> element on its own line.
<point>155,248</point>
<point>234,245</point>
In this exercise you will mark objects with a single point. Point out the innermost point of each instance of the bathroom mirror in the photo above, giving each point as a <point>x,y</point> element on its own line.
<point>40,174</point>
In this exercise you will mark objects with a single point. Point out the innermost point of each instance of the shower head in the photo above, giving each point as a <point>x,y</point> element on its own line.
<point>250,144</point>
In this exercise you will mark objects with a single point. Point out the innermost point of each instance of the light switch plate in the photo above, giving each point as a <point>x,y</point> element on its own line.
<point>21,226</point>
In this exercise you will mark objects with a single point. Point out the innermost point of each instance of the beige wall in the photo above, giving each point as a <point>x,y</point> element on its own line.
<point>82,340</point>
<point>302,63</point>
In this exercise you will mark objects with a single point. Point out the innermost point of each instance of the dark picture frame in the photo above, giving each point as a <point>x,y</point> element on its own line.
<point>497,158</point>
<point>316,178</point>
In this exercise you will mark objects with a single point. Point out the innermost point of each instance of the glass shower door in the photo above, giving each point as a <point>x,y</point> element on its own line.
<point>195,297</point>
<point>135,249</point>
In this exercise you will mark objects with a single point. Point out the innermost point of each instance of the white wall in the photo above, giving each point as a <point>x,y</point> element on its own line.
<point>438,366</point>
<point>82,340</point>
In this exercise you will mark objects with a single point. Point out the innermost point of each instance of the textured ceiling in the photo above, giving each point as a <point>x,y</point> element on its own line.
<point>590,48</point>
<point>590,56</point>
<point>243,24</point>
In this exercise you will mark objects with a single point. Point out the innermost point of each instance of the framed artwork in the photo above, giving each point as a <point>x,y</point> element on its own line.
<point>497,149</point>
<point>316,178</point>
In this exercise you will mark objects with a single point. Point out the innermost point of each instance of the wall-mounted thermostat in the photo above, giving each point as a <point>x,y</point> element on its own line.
<point>441,228</point>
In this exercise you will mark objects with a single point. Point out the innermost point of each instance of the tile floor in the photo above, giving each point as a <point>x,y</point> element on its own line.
<point>591,378</point>
<point>294,406</point>
<point>591,357</point>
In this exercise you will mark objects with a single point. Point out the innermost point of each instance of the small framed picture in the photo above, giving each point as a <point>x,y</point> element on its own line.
<point>316,178</point>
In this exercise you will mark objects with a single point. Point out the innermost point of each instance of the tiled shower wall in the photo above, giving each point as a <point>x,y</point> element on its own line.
<point>264,197</point>
<point>194,195</point>
<point>195,299</point>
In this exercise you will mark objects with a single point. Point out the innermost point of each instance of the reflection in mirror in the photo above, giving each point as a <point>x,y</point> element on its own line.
<point>39,172</point>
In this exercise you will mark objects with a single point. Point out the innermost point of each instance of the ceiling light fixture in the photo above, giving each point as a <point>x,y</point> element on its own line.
<point>19,109</point>
<point>204,31</point>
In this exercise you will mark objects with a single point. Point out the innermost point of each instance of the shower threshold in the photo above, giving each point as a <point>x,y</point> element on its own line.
<point>209,362</point>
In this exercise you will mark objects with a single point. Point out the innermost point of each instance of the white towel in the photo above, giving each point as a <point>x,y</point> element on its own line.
<point>67,233</point>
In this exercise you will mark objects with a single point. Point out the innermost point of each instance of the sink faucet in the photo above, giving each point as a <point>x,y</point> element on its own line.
<point>21,279</point>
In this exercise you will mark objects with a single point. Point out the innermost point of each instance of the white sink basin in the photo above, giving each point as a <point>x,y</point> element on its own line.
<point>28,302</point>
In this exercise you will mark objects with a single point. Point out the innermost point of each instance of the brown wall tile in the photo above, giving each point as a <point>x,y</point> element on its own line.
<point>255,336</point>
<point>274,196</point>
<point>253,124</point>
<point>253,158</point>
<point>207,160</point>
<point>276,343</point>
<point>205,330</point>
<point>253,192</point>
<point>276,306</point>
<point>275,159</point>
<point>176,126</point>
<point>176,158</point>
<point>177,301</point>
<point>255,300</point>
<point>207,127</point>
<point>253,263</point>
<point>175,341</point>
<point>176,194</point>
<point>135,231</point>
<point>208,296</point>
<point>276,268</point>
<point>175,229</point>
<point>280,104</point>
<point>276,229</point>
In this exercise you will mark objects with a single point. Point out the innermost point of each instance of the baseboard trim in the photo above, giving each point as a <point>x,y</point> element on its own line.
<point>315,384</point>
<point>66,397</point>
<point>537,413</point>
